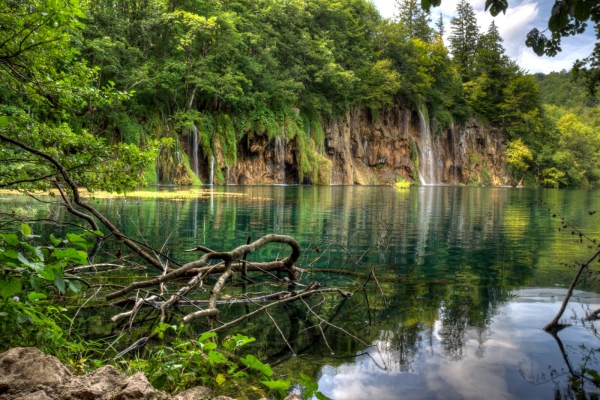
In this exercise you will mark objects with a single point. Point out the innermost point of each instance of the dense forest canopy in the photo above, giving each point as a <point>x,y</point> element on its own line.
<point>142,75</point>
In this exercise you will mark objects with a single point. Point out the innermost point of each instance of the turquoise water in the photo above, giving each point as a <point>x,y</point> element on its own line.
<point>467,279</point>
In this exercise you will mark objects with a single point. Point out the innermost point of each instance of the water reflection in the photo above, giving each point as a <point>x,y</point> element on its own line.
<point>496,362</point>
<point>459,328</point>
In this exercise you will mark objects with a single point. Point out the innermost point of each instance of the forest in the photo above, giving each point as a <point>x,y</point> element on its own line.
<point>148,78</point>
<point>109,96</point>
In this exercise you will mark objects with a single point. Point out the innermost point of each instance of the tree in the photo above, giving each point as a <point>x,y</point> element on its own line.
<point>440,28</point>
<point>464,36</point>
<point>568,18</point>
<point>414,19</point>
<point>518,156</point>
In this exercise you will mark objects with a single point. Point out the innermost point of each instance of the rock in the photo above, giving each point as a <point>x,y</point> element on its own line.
<point>196,393</point>
<point>39,395</point>
<point>93,385</point>
<point>137,387</point>
<point>29,374</point>
<point>27,369</point>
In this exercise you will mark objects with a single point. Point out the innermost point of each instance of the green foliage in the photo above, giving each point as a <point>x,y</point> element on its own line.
<point>518,155</point>
<point>30,276</point>
<point>401,183</point>
<point>414,20</point>
<point>26,268</point>
<point>464,37</point>
<point>183,364</point>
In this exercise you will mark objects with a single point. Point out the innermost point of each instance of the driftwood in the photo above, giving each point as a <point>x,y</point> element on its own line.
<point>555,324</point>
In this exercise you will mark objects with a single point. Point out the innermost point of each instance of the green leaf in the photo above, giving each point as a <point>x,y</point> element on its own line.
<point>310,385</point>
<point>217,358</point>
<point>321,396</point>
<point>55,241</point>
<point>582,10</point>
<point>35,283</point>
<point>23,259</point>
<point>10,287</point>
<point>255,363</point>
<point>25,229</point>
<point>10,253</point>
<point>209,346</point>
<point>11,239</point>
<point>206,335</point>
<point>60,283</point>
<point>36,250</point>
<point>160,381</point>
<point>35,296</point>
<point>4,121</point>
<point>220,379</point>
<point>47,273</point>
<point>77,257</point>
<point>74,285</point>
<point>279,384</point>
<point>75,238</point>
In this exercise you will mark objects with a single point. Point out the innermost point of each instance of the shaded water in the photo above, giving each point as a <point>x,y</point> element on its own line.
<point>467,324</point>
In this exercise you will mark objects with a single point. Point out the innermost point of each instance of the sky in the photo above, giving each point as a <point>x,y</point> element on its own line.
<point>520,18</point>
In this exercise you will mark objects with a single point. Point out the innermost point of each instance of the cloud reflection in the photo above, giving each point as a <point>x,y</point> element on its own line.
<point>491,365</point>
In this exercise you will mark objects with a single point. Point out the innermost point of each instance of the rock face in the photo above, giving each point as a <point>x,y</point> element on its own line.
<point>377,147</point>
<point>28,374</point>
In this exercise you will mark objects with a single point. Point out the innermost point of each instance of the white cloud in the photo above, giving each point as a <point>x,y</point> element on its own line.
<point>513,26</point>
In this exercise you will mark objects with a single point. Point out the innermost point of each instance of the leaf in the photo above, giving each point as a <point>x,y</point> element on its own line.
<point>10,253</point>
<point>321,396</point>
<point>35,283</point>
<point>255,363</point>
<point>279,384</point>
<point>10,287</point>
<point>209,346</point>
<point>242,339</point>
<point>36,250</point>
<point>582,10</point>
<point>55,241</point>
<point>77,257</point>
<point>23,259</point>
<point>60,283</point>
<point>47,273</point>
<point>217,358</point>
<point>160,381</point>
<point>75,238</point>
<point>35,296</point>
<point>74,285</point>
<point>206,335</point>
<point>220,379</point>
<point>11,239</point>
<point>25,229</point>
<point>4,121</point>
<point>310,385</point>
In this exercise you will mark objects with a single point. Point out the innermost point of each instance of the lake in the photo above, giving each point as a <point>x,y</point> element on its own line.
<point>467,277</point>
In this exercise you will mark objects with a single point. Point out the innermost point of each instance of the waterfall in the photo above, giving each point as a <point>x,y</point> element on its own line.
<point>195,149</point>
<point>212,170</point>
<point>431,161</point>
<point>280,153</point>
<point>426,163</point>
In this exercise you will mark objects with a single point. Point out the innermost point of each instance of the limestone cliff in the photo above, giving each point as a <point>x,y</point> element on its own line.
<point>370,147</point>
